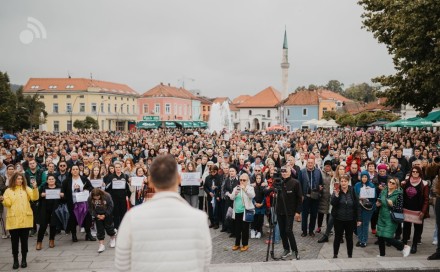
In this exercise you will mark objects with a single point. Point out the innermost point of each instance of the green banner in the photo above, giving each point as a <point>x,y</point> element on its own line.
<point>148,124</point>
<point>150,118</point>
<point>170,124</point>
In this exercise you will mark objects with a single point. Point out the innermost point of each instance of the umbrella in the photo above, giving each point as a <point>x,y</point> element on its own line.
<point>398,123</point>
<point>63,215</point>
<point>9,137</point>
<point>245,132</point>
<point>272,132</point>
<point>420,123</point>
<point>276,127</point>
<point>310,122</point>
<point>436,124</point>
<point>433,116</point>
<point>80,211</point>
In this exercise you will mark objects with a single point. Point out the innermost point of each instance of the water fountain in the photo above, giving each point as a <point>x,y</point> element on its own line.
<point>220,117</point>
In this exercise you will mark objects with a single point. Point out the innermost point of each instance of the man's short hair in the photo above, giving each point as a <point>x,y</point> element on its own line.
<point>163,171</point>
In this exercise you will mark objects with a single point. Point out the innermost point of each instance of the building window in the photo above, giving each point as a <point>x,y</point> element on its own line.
<point>55,108</point>
<point>82,107</point>
<point>102,97</point>
<point>184,110</point>
<point>122,108</point>
<point>81,96</point>
<point>268,124</point>
<point>128,109</point>
<point>145,108</point>
<point>94,108</point>
<point>35,87</point>
<point>53,87</point>
<point>69,87</point>
<point>208,108</point>
<point>68,96</point>
<point>157,108</point>
<point>250,112</point>
<point>69,107</point>
<point>304,112</point>
<point>338,103</point>
<point>268,113</point>
<point>69,125</point>
<point>122,98</point>
<point>102,107</point>
<point>324,110</point>
<point>134,109</point>
<point>56,126</point>
<point>204,108</point>
<point>175,109</point>
<point>41,96</point>
<point>288,112</point>
<point>109,108</point>
<point>115,98</point>
<point>55,96</point>
<point>167,108</point>
<point>180,110</point>
<point>116,107</point>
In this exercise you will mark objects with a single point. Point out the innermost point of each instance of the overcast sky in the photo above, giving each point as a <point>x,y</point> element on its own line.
<point>228,47</point>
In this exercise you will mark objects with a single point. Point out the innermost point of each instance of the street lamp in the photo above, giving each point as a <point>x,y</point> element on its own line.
<point>71,112</point>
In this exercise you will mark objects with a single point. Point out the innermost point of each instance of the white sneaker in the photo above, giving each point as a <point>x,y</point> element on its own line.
<point>82,230</point>
<point>112,242</point>
<point>406,250</point>
<point>435,242</point>
<point>258,235</point>
<point>252,234</point>
<point>378,256</point>
<point>101,248</point>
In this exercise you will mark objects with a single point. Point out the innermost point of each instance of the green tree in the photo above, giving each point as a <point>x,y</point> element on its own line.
<point>346,119</point>
<point>361,92</point>
<point>300,88</point>
<point>88,123</point>
<point>411,32</point>
<point>80,124</point>
<point>330,115</point>
<point>335,86</point>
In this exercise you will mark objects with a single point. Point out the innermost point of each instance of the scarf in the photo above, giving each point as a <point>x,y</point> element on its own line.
<point>415,181</point>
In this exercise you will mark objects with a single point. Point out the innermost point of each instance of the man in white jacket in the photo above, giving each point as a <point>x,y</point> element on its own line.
<point>165,233</point>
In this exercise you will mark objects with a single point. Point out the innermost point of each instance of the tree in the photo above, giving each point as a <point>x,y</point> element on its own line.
<point>361,92</point>
<point>313,87</point>
<point>330,115</point>
<point>335,86</point>
<point>79,124</point>
<point>88,123</point>
<point>346,119</point>
<point>411,32</point>
<point>300,88</point>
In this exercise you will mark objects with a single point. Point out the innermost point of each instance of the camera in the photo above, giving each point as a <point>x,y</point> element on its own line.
<point>277,181</point>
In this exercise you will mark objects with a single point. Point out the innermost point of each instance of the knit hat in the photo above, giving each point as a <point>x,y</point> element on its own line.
<point>328,162</point>
<point>382,166</point>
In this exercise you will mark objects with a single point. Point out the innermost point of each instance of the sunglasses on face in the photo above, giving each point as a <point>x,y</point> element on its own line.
<point>391,182</point>
<point>243,179</point>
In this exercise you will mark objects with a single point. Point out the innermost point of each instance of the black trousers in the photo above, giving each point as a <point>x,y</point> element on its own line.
<point>46,218</point>
<point>340,228</point>
<point>321,218</point>
<point>437,220</point>
<point>241,230</point>
<point>285,223</point>
<point>395,243</point>
<point>375,218</point>
<point>257,225</point>
<point>19,235</point>
<point>119,210</point>
<point>104,225</point>
<point>418,228</point>
<point>213,211</point>
<point>34,207</point>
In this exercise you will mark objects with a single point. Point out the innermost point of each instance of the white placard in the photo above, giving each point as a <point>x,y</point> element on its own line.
<point>118,184</point>
<point>81,196</point>
<point>53,193</point>
<point>367,192</point>
<point>137,181</point>
<point>407,152</point>
<point>96,183</point>
<point>226,136</point>
<point>370,154</point>
<point>189,179</point>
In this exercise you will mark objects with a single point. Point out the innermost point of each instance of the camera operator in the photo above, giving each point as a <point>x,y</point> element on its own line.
<point>288,208</point>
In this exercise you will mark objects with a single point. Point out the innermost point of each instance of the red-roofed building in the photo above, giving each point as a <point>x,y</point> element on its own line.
<point>299,107</point>
<point>114,105</point>
<point>260,111</point>
<point>169,103</point>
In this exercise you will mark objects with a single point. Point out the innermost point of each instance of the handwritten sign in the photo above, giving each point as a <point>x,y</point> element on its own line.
<point>96,183</point>
<point>412,216</point>
<point>53,193</point>
<point>367,192</point>
<point>81,196</point>
<point>118,184</point>
<point>189,179</point>
<point>137,181</point>
<point>407,152</point>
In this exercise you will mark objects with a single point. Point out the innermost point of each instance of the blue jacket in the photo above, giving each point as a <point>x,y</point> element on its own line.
<point>358,186</point>
<point>303,178</point>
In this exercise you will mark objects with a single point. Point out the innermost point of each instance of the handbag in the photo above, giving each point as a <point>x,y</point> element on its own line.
<point>248,215</point>
<point>314,195</point>
<point>397,217</point>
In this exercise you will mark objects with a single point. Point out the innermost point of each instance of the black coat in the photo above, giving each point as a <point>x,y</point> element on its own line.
<point>46,206</point>
<point>213,180</point>
<point>290,197</point>
<point>67,189</point>
<point>229,185</point>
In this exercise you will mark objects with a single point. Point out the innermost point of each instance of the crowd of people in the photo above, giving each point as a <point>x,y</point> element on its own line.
<point>359,182</point>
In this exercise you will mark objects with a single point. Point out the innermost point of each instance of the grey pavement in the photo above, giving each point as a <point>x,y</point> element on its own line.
<point>83,256</point>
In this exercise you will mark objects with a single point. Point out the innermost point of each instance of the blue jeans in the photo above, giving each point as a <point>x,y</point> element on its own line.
<point>310,206</point>
<point>362,230</point>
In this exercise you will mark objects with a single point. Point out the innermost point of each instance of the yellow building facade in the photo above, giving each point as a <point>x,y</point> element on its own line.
<point>113,105</point>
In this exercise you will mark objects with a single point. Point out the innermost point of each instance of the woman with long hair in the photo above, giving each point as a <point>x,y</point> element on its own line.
<point>4,184</point>
<point>129,167</point>
<point>46,212</point>
<point>191,192</point>
<point>415,198</point>
<point>20,216</point>
<point>139,193</point>
<point>101,208</point>
<point>260,206</point>
<point>390,200</point>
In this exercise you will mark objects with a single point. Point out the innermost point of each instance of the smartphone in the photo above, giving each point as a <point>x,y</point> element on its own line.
<point>336,186</point>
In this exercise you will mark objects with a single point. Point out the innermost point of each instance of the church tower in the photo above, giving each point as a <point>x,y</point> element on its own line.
<point>285,68</point>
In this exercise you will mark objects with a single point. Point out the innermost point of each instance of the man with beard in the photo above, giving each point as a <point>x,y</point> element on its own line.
<point>394,170</point>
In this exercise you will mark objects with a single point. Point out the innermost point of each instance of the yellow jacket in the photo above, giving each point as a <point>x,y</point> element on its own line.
<point>19,214</point>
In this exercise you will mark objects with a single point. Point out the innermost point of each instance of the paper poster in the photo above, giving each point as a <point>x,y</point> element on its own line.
<point>137,181</point>
<point>370,154</point>
<point>412,216</point>
<point>226,137</point>
<point>53,193</point>
<point>96,183</point>
<point>118,184</point>
<point>367,192</point>
<point>190,179</point>
<point>407,152</point>
<point>81,196</point>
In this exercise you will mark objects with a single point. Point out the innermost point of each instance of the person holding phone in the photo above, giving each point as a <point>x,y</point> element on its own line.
<point>20,217</point>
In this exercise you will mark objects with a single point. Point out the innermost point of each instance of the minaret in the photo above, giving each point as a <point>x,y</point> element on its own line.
<point>285,68</point>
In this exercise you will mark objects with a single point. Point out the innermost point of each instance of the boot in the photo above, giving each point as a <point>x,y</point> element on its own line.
<point>74,238</point>
<point>414,248</point>
<point>89,237</point>
<point>39,246</point>
<point>23,260</point>
<point>323,239</point>
<point>15,265</point>
<point>51,243</point>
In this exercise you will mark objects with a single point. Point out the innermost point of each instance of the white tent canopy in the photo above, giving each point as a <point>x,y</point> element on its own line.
<point>310,122</point>
<point>327,124</point>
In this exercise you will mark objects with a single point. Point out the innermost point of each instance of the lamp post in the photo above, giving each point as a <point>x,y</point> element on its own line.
<point>71,112</point>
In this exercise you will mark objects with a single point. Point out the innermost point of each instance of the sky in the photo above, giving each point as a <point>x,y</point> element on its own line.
<point>222,48</point>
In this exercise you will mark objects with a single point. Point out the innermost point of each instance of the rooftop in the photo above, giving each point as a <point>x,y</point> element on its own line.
<point>267,98</point>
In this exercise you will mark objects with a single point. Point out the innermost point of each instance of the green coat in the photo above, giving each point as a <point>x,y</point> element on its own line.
<point>386,227</point>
